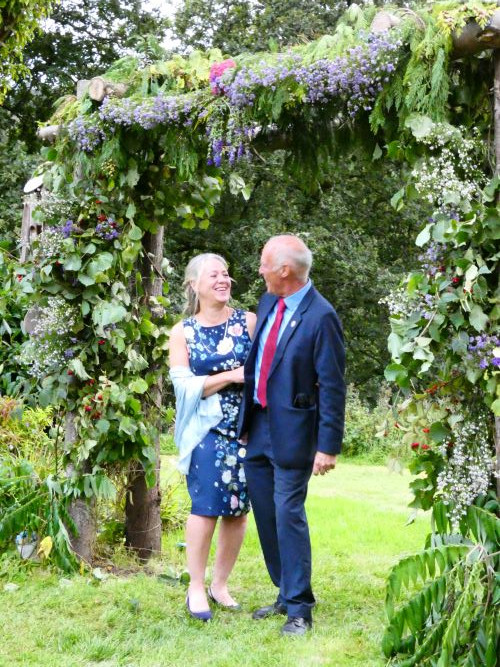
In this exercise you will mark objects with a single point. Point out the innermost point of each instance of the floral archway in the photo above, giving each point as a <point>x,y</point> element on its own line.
<point>143,149</point>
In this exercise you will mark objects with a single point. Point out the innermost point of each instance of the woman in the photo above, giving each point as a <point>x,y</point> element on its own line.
<point>207,352</point>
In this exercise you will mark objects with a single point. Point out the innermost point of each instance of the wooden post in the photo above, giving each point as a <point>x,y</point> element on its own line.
<point>81,510</point>
<point>142,508</point>
<point>496,89</point>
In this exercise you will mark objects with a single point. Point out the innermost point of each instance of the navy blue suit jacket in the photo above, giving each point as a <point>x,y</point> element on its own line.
<point>306,387</point>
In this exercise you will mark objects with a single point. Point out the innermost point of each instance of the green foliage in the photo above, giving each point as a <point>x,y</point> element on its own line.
<point>83,39</point>
<point>16,166</point>
<point>13,379</point>
<point>363,437</point>
<point>175,503</point>
<point>19,20</point>
<point>440,603</point>
<point>32,499</point>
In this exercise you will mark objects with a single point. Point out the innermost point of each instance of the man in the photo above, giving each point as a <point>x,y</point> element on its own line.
<point>293,413</point>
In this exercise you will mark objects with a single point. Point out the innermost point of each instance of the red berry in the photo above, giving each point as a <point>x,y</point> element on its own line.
<point>91,381</point>
<point>19,277</point>
<point>415,445</point>
<point>455,280</point>
<point>70,372</point>
<point>101,217</point>
<point>425,447</point>
<point>101,342</point>
<point>88,408</point>
<point>426,430</point>
<point>99,397</point>
<point>98,201</point>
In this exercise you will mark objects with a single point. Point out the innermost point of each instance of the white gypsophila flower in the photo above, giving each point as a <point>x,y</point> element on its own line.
<point>49,244</point>
<point>454,173</point>
<point>399,302</point>
<point>49,346</point>
<point>468,469</point>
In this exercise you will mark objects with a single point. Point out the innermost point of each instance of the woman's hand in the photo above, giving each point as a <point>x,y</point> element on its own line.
<point>237,375</point>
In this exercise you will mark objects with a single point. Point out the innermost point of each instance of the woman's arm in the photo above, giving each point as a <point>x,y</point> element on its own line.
<point>251,322</point>
<point>178,356</point>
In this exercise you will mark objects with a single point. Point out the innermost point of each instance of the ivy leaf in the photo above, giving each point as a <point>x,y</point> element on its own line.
<point>439,432</point>
<point>102,425</point>
<point>394,345</point>
<point>424,236</point>
<point>101,263</point>
<point>138,386</point>
<point>131,210</point>
<point>395,372</point>
<point>78,368</point>
<point>132,174</point>
<point>106,312</point>
<point>478,318</point>
<point>397,200</point>
<point>495,406</point>
<point>134,233</point>
<point>419,125</point>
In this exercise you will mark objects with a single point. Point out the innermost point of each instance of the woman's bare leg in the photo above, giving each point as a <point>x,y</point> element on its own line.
<point>199,533</point>
<point>231,534</point>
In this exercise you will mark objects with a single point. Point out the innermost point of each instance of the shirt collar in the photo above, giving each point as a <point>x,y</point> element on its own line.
<point>292,301</point>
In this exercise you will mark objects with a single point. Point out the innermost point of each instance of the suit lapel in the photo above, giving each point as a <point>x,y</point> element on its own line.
<point>292,327</point>
<point>263,313</point>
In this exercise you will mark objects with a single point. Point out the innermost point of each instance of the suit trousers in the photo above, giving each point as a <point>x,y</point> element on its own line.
<point>278,496</point>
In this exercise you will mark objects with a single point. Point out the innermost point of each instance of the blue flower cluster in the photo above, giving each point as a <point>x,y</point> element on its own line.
<point>86,134</point>
<point>107,229</point>
<point>66,229</point>
<point>148,113</point>
<point>354,79</point>
<point>357,77</point>
<point>432,259</point>
<point>485,350</point>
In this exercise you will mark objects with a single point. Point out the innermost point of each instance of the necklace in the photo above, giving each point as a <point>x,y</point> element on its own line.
<point>225,344</point>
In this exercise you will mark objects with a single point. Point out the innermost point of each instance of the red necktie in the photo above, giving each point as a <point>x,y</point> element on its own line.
<point>268,354</point>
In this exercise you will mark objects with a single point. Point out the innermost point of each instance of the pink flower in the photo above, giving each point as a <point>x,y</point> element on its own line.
<point>235,330</point>
<point>234,502</point>
<point>216,71</point>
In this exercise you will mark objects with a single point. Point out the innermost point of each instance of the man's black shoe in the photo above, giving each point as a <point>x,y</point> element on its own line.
<point>296,625</point>
<point>275,609</point>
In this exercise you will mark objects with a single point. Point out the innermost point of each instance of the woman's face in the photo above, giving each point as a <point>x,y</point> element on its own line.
<point>214,284</point>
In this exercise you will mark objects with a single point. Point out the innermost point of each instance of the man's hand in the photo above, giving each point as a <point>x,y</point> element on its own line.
<point>323,463</point>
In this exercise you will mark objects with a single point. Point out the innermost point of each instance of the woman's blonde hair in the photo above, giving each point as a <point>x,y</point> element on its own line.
<point>192,276</point>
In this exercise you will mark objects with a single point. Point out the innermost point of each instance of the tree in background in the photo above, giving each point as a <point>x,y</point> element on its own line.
<point>237,26</point>
<point>81,39</point>
<point>19,20</point>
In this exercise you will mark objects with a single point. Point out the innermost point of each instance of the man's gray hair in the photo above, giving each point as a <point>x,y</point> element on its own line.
<point>291,250</point>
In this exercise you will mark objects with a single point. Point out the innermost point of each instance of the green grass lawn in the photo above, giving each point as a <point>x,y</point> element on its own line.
<point>357,516</point>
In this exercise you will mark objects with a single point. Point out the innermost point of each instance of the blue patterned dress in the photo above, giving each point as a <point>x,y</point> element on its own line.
<point>216,479</point>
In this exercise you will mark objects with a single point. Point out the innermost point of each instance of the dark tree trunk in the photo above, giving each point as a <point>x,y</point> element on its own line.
<point>81,510</point>
<point>142,509</point>
<point>496,88</point>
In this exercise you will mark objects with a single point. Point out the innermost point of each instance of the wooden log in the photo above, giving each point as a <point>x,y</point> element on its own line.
<point>99,88</point>
<point>470,40</point>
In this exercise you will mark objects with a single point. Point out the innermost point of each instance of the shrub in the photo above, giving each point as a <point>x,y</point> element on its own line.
<point>31,496</point>
<point>363,436</point>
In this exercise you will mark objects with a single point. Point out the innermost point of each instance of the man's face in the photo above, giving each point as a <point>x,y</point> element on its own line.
<point>268,271</point>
